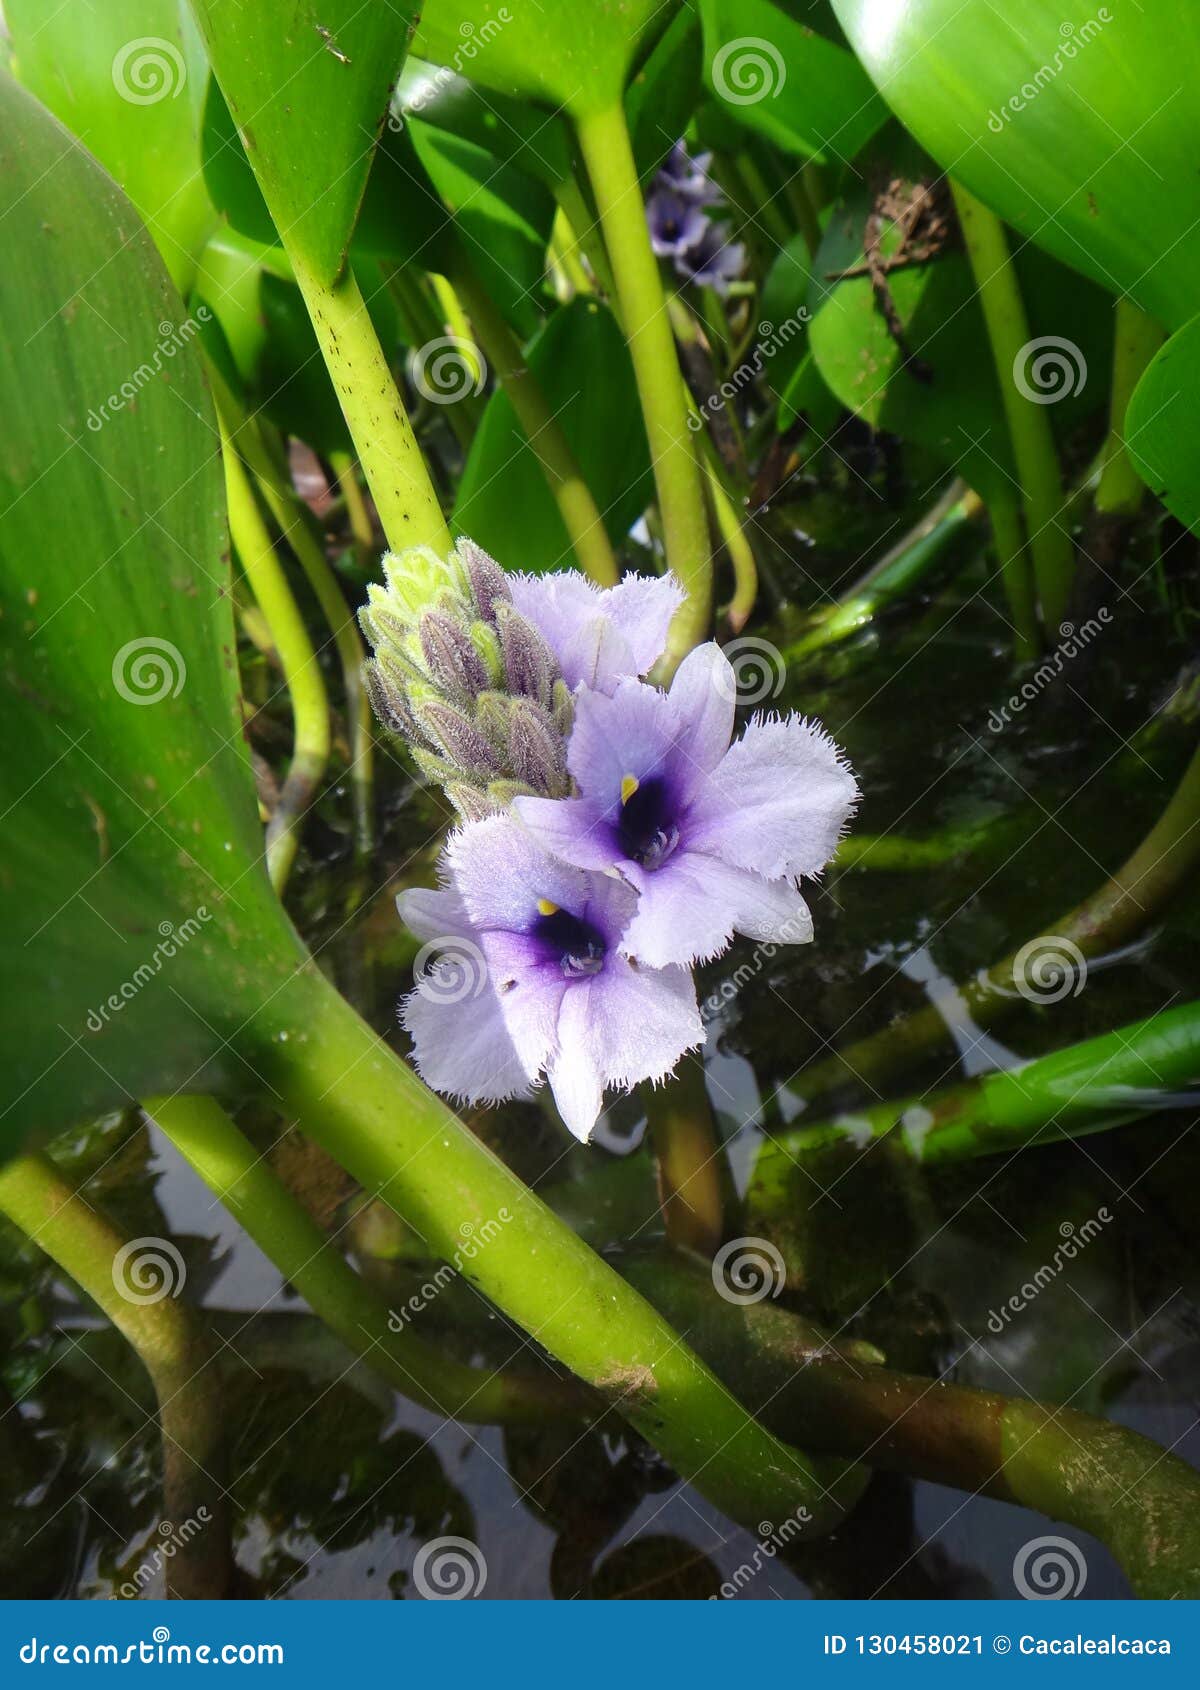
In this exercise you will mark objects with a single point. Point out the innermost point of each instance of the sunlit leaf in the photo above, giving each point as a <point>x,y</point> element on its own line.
<point>1162,425</point>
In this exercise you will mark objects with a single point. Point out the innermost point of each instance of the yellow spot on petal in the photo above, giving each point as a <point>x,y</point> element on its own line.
<point>629,785</point>
<point>545,907</point>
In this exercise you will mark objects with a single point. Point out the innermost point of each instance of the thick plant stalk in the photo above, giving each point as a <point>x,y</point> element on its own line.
<point>688,1157</point>
<point>1050,544</point>
<point>167,1340</point>
<point>1086,1088</point>
<point>1121,907</point>
<point>301,671</point>
<point>1136,1497</point>
<point>345,471</point>
<point>1136,338</point>
<point>604,139</point>
<point>578,509</point>
<point>387,449</point>
<point>367,1110</point>
<point>296,526</point>
<point>228,1164</point>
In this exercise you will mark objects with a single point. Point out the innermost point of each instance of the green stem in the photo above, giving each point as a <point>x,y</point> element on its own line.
<point>688,1157</point>
<point>298,529</point>
<point>163,1333</point>
<point>1133,1495</point>
<point>1016,572</point>
<point>1119,909</point>
<point>582,226</point>
<point>736,543</point>
<point>1136,338</point>
<point>580,514</point>
<point>604,139</point>
<point>362,531</point>
<point>455,320</point>
<point>1050,544</point>
<point>301,671</point>
<point>423,327</point>
<point>366,1109</point>
<point>387,449</point>
<point>228,1164</point>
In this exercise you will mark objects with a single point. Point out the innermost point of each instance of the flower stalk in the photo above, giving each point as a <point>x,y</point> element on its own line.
<point>608,155</point>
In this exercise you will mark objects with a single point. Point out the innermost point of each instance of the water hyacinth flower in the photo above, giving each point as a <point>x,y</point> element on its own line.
<point>712,261</point>
<point>680,229</point>
<point>712,835</point>
<point>599,634</point>
<point>687,176</point>
<point>675,223</point>
<point>558,994</point>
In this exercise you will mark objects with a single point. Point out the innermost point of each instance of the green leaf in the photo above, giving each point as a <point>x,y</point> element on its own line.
<point>1077,125</point>
<point>509,129</point>
<point>791,85</point>
<point>128,79</point>
<point>784,300</point>
<point>308,89</point>
<point>130,826</point>
<point>583,365</point>
<point>573,54</point>
<point>1162,425</point>
<point>662,96</point>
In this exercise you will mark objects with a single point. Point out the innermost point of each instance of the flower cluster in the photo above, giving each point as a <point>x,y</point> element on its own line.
<point>588,882</point>
<point>680,227</point>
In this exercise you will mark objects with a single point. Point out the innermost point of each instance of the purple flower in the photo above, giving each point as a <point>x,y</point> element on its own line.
<point>536,980</point>
<point>713,261</point>
<point>675,222</point>
<point>688,176</point>
<point>712,835</point>
<point>599,634</point>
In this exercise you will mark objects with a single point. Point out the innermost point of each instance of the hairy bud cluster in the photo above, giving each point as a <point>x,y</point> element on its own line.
<point>467,681</point>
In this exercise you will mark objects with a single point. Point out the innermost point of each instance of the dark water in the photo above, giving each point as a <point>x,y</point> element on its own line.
<point>336,1483</point>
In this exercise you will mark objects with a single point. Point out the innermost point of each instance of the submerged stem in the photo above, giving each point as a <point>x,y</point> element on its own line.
<point>1016,572</point>
<point>301,671</point>
<point>1136,338</point>
<point>604,139</point>
<point>1050,544</point>
<point>168,1342</point>
<point>578,509</point>
<point>689,1158</point>
<point>404,495</point>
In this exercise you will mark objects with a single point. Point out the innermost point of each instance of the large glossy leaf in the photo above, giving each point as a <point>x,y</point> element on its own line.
<point>1162,425</point>
<point>584,367</point>
<point>138,922</point>
<point>128,79</point>
<point>573,54</point>
<point>308,88</point>
<point>1078,125</point>
<point>789,83</point>
<point>510,129</point>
